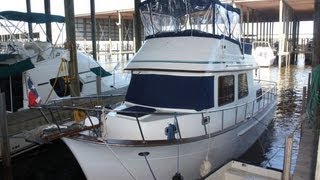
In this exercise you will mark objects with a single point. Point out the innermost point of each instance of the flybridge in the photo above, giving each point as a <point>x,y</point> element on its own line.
<point>177,16</point>
<point>191,36</point>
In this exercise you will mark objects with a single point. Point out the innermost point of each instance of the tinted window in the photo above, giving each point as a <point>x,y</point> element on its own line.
<point>225,90</point>
<point>242,85</point>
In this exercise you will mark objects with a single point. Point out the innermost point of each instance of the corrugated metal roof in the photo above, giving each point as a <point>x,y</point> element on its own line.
<point>303,9</point>
<point>265,10</point>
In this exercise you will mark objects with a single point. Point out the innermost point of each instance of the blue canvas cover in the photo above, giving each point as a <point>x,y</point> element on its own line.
<point>181,92</point>
<point>32,17</point>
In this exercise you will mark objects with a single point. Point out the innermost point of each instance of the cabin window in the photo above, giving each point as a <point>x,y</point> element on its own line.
<point>61,87</point>
<point>243,86</point>
<point>226,90</point>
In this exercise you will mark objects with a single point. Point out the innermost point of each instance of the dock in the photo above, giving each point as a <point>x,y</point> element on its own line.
<point>307,156</point>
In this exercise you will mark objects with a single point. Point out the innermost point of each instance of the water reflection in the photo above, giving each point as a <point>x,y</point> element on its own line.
<point>290,82</point>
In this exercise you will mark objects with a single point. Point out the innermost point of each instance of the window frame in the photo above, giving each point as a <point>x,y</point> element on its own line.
<point>223,97</point>
<point>246,92</point>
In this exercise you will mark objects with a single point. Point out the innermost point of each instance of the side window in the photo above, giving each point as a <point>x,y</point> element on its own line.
<point>225,90</point>
<point>242,85</point>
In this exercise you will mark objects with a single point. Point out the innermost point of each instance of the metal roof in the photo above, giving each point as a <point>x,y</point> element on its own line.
<point>264,10</point>
<point>125,14</point>
<point>269,9</point>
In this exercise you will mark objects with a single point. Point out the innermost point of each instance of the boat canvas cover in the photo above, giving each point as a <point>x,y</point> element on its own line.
<point>31,17</point>
<point>99,71</point>
<point>16,68</point>
<point>166,91</point>
<point>4,57</point>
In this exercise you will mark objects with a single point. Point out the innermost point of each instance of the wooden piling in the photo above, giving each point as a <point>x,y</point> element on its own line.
<point>137,26</point>
<point>28,4</point>
<point>47,10</point>
<point>5,145</point>
<point>304,103</point>
<point>94,42</point>
<point>309,86</point>
<point>286,175</point>
<point>316,35</point>
<point>71,44</point>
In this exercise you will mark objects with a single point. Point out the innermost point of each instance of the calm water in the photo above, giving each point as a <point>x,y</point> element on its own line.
<point>268,151</point>
<point>55,161</point>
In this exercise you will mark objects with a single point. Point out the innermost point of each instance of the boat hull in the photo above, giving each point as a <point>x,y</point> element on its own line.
<point>265,62</point>
<point>101,160</point>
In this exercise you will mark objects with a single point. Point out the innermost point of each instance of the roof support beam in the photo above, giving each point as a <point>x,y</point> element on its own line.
<point>47,10</point>
<point>316,35</point>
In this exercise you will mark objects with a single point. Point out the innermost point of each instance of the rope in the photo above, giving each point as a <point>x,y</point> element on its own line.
<point>123,165</point>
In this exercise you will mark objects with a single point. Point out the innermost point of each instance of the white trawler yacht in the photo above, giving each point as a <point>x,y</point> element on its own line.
<point>192,104</point>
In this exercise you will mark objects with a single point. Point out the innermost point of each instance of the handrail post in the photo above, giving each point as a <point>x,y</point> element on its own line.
<point>245,112</point>
<point>222,119</point>
<point>259,104</point>
<point>253,107</point>
<point>94,129</point>
<point>263,99</point>
<point>268,97</point>
<point>137,119</point>
<point>236,116</point>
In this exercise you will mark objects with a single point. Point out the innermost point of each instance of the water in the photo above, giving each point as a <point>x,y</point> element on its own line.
<point>55,161</point>
<point>268,151</point>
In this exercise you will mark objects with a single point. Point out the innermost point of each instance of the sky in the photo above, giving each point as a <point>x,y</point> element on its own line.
<point>80,6</point>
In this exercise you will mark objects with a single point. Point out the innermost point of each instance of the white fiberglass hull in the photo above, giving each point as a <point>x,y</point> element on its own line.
<point>103,161</point>
<point>265,62</point>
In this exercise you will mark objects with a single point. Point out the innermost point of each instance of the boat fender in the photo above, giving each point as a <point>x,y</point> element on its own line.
<point>79,115</point>
<point>170,131</point>
<point>205,168</point>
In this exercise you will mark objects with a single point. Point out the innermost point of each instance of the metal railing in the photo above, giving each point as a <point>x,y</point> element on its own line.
<point>251,109</point>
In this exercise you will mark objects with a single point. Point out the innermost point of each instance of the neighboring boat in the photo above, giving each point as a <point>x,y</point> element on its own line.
<point>44,67</point>
<point>35,72</point>
<point>192,104</point>
<point>263,53</point>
